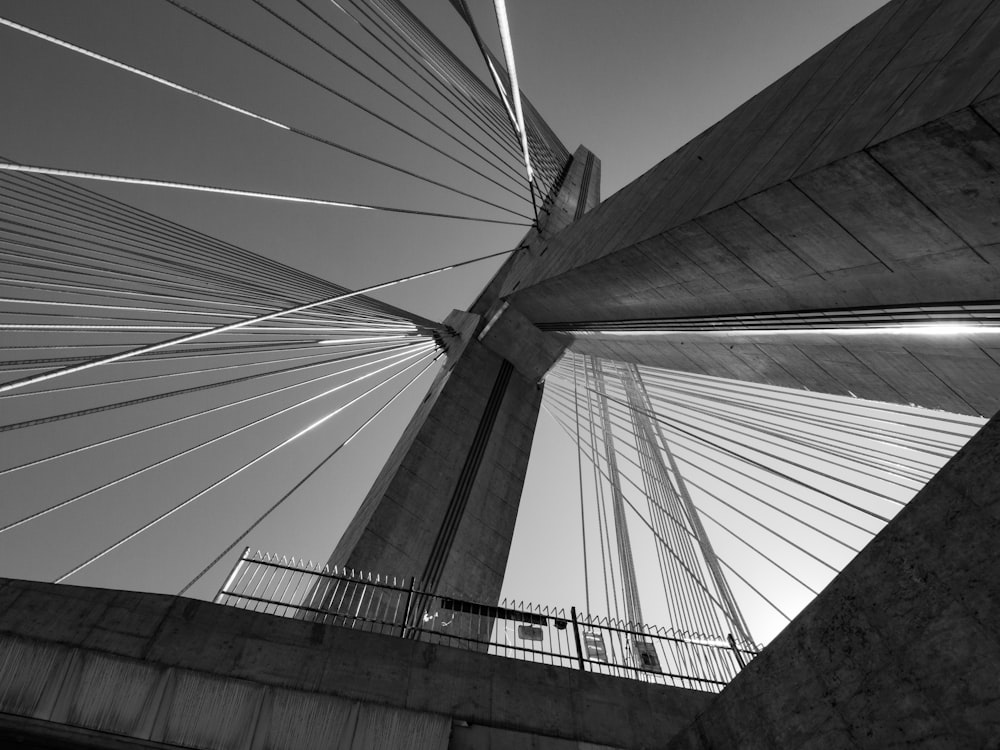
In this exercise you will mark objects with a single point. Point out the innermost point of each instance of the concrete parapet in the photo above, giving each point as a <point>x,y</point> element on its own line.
<point>126,669</point>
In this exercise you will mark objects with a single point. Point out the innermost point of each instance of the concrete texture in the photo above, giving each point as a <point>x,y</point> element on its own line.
<point>902,649</point>
<point>513,337</point>
<point>452,487</point>
<point>577,192</point>
<point>867,176</point>
<point>78,665</point>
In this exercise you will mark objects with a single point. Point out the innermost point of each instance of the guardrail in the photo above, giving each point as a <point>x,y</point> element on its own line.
<point>263,582</point>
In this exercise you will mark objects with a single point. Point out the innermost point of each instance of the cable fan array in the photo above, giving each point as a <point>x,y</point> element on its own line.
<point>137,351</point>
<point>770,488</point>
<point>418,73</point>
<point>86,277</point>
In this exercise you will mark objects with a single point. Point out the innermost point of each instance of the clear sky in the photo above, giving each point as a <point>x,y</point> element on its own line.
<point>632,80</point>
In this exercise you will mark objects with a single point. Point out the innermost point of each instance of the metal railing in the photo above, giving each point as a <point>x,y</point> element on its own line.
<point>263,582</point>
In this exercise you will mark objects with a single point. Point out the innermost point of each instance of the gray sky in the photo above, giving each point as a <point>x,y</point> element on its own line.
<point>631,80</point>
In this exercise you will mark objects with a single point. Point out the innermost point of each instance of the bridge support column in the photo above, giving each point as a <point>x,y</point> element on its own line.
<point>444,506</point>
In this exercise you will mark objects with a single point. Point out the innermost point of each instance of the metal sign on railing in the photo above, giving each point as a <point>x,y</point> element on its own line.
<point>266,583</point>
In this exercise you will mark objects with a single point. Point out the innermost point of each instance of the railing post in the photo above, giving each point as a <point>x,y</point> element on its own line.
<point>732,645</point>
<point>406,611</point>
<point>576,637</point>
<point>232,576</point>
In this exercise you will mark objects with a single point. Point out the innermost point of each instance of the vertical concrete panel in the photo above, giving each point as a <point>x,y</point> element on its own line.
<point>300,721</point>
<point>540,256</point>
<point>209,712</point>
<point>384,727</point>
<point>113,694</point>
<point>26,671</point>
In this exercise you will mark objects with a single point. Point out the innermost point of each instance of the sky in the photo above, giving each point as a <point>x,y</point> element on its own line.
<point>631,80</point>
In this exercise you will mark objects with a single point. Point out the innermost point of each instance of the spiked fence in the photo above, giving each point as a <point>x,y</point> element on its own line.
<point>264,582</point>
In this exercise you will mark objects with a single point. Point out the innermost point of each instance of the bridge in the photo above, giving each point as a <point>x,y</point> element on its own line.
<point>772,357</point>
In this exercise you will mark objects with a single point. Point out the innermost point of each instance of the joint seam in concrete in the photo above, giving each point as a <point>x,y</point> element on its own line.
<point>874,157</point>
<point>850,104</point>
<point>777,239</point>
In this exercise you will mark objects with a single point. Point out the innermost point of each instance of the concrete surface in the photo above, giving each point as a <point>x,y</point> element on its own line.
<point>166,669</point>
<point>453,484</point>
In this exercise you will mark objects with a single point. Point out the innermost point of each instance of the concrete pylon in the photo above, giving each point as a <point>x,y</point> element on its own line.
<point>443,508</point>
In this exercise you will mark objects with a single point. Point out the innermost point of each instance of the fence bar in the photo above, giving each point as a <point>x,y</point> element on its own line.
<point>576,637</point>
<point>732,644</point>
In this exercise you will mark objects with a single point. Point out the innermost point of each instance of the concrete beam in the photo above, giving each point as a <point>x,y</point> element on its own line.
<point>865,177</point>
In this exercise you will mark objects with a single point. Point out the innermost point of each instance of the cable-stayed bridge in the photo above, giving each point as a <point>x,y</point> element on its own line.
<point>762,350</point>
